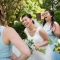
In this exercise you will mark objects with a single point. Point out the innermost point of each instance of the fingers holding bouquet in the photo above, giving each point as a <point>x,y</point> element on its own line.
<point>37,47</point>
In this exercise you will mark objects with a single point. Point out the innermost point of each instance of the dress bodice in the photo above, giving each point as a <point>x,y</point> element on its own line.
<point>47,28</point>
<point>36,38</point>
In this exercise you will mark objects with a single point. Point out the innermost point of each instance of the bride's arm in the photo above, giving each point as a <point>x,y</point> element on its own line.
<point>44,35</point>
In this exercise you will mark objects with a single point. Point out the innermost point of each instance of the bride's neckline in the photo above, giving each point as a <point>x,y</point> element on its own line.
<point>33,33</point>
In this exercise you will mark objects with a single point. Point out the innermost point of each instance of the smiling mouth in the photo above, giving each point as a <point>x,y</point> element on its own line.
<point>26,24</point>
<point>45,17</point>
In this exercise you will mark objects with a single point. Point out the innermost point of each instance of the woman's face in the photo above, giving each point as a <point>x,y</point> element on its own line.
<point>47,16</point>
<point>26,21</point>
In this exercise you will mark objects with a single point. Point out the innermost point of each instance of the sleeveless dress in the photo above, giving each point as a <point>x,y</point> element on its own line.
<point>5,50</point>
<point>37,39</point>
<point>46,27</point>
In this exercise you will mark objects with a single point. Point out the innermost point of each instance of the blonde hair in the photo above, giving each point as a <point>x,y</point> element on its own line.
<point>2,16</point>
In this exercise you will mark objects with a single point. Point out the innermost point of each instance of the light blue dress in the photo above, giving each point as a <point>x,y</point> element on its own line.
<point>5,50</point>
<point>46,27</point>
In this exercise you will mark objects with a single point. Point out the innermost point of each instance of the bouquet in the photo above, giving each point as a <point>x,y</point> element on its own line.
<point>31,45</point>
<point>57,45</point>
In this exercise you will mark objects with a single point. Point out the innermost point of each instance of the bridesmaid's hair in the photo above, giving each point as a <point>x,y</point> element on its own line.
<point>52,18</point>
<point>2,16</point>
<point>29,16</point>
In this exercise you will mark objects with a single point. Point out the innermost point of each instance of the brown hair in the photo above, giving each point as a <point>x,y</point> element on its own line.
<point>2,16</point>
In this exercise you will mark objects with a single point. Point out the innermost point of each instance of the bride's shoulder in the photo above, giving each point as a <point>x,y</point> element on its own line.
<point>25,30</point>
<point>40,28</point>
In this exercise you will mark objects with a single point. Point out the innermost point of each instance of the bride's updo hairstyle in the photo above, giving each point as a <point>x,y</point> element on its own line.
<point>2,16</point>
<point>29,16</point>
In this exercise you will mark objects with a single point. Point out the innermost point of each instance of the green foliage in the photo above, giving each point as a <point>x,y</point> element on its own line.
<point>41,21</point>
<point>20,29</point>
<point>11,8</point>
<point>57,16</point>
<point>16,8</point>
<point>48,4</point>
<point>30,6</point>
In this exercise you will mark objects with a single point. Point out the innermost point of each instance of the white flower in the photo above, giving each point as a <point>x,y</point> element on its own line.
<point>56,44</point>
<point>59,41</point>
<point>33,47</point>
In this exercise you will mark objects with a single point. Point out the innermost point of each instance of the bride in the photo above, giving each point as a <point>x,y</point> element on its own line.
<point>15,50</point>
<point>39,37</point>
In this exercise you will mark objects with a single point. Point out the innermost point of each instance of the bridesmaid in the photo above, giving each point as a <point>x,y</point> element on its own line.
<point>52,29</point>
<point>9,36</point>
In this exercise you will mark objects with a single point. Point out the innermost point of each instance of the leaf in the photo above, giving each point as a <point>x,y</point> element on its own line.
<point>56,40</point>
<point>58,44</point>
<point>59,52</point>
<point>54,49</point>
<point>50,41</point>
<point>42,50</point>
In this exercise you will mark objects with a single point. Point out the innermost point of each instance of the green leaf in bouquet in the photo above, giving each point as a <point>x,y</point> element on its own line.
<point>42,50</point>
<point>54,49</point>
<point>50,41</point>
<point>31,50</point>
<point>58,49</point>
<point>56,40</point>
<point>59,52</point>
<point>58,44</point>
<point>30,43</point>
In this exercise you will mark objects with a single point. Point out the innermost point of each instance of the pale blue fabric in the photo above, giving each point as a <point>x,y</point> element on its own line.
<point>56,55</point>
<point>5,50</point>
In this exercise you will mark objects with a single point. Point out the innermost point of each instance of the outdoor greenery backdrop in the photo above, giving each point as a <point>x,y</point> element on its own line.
<point>14,9</point>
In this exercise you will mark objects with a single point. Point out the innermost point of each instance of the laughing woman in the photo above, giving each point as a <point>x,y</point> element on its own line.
<point>52,29</point>
<point>39,37</point>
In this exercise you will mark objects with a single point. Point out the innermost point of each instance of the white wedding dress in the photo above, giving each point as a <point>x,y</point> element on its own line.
<point>37,39</point>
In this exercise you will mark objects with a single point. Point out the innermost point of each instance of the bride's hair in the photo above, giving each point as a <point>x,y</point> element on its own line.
<point>52,18</point>
<point>29,16</point>
<point>2,16</point>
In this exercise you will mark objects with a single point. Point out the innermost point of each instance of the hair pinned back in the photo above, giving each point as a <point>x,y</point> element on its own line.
<point>2,16</point>
<point>29,16</point>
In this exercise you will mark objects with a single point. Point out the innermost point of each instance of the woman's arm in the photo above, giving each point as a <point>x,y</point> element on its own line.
<point>19,43</point>
<point>56,29</point>
<point>45,37</point>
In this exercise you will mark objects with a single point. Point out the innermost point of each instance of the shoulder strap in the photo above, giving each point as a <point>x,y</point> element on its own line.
<point>1,29</point>
<point>26,31</point>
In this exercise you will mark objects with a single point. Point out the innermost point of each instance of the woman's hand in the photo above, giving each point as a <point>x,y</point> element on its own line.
<point>13,57</point>
<point>53,28</point>
<point>37,47</point>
